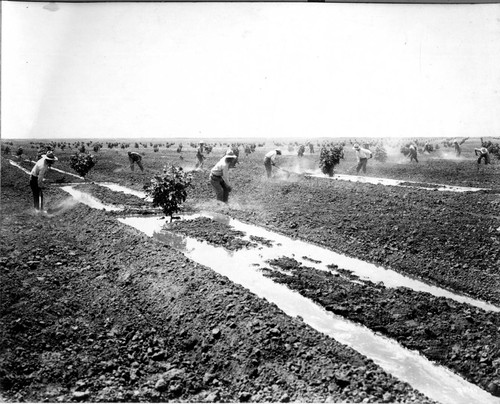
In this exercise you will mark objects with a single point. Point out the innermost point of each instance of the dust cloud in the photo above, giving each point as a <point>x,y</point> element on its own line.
<point>62,206</point>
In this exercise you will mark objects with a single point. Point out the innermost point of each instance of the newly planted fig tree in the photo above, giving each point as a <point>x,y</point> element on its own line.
<point>329,157</point>
<point>82,163</point>
<point>169,189</point>
<point>380,153</point>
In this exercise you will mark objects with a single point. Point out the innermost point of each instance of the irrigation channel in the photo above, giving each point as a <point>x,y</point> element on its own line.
<point>396,183</point>
<point>244,268</point>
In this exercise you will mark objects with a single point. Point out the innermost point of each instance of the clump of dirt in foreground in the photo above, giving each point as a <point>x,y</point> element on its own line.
<point>94,311</point>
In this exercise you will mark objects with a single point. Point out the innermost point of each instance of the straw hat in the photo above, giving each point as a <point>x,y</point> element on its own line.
<point>49,156</point>
<point>230,154</point>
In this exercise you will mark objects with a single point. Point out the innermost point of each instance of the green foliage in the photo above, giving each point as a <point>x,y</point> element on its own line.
<point>169,190</point>
<point>82,163</point>
<point>329,157</point>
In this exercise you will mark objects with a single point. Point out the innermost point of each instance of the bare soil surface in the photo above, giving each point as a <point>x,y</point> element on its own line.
<point>452,334</point>
<point>94,311</point>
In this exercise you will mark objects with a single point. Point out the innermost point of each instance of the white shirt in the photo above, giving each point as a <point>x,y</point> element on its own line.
<point>39,170</point>
<point>221,168</point>
<point>272,155</point>
<point>363,153</point>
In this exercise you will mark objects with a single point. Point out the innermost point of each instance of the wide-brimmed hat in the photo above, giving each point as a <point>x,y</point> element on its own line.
<point>356,146</point>
<point>230,154</point>
<point>201,142</point>
<point>49,156</point>
<point>278,152</point>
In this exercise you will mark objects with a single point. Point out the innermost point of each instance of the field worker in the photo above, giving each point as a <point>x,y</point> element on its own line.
<point>36,178</point>
<point>270,160</point>
<point>136,158</point>
<point>199,154</point>
<point>362,155</point>
<point>458,149</point>
<point>413,153</point>
<point>219,176</point>
<point>483,153</point>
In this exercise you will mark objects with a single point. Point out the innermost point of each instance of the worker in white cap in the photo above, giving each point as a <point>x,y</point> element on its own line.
<point>219,176</point>
<point>270,160</point>
<point>362,155</point>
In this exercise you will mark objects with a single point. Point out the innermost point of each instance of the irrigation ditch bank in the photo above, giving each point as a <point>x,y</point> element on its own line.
<point>94,311</point>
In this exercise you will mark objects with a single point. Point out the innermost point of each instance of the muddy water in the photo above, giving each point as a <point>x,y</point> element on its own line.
<point>125,190</point>
<point>243,267</point>
<point>396,183</point>
<point>89,200</point>
<point>285,246</point>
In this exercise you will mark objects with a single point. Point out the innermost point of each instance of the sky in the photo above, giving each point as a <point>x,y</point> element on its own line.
<point>249,70</point>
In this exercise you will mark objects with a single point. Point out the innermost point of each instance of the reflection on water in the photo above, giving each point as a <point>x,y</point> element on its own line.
<point>125,190</point>
<point>396,183</point>
<point>244,267</point>
<point>88,199</point>
<point>318,257</point>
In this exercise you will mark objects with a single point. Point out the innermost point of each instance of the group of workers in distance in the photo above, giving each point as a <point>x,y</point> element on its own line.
<point>219,174</point>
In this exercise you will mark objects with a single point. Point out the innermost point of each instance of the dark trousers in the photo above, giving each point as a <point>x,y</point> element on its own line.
<point>413,156</point>
<point>139,163</point>
<point>221,189</point>
<point>268,165</point>
<point>485,157</point>
<point>199,164</point>
<point>37,193</point>
<point>361,165</point>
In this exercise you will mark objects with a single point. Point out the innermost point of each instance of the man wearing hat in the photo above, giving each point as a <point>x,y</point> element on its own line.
<point>483,153</point>
<point>134,157</point>
<point>219,176</point>
<point>270,160</point>
<point>37,175</point>
<point>362,155</point>
<point>413,152</point>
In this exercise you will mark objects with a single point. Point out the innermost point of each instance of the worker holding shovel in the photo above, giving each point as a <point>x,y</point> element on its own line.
<point>483,153</point>
<point>362,155</point>
<point>219,176</point>
<point>135,158</point>
<point>270,160</point>
<point>37,176</point>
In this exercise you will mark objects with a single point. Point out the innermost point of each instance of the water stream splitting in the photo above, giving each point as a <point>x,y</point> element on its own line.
<point>436,382</point>
<point>243,268</point>
<point>363,269</point>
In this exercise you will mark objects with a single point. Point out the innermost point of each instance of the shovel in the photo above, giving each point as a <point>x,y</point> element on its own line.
<point>285,171</point>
